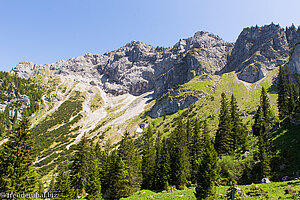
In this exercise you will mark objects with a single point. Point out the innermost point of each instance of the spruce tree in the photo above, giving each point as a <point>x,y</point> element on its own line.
<point>119,177</point>
<point>162,164</point>
<point>179,155</point>
<point>126,171</point>
<point>105,163</point>
<point>207,172</point>
<point>282,93</point>
<point>223,140</point>
<point>17,171</point>
<point>237,128</point>
<point>148,159</point>
<point>196,149</point>
<point>79,166</point>
<point>93,183</point>
<point>63,187</point>
<point>263,121</point>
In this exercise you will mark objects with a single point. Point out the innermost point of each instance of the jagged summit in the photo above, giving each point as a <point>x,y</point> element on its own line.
<point>138,67</point>
<point>259,50</point>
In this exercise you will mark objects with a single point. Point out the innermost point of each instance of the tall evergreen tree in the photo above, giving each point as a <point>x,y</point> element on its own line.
<point>148,159</point>
<point>282,93</point>
<point>263,121</point>
<point>119,177</point>
<point>16,160</point>
<point>287,93</point>
<point>179,155</point>
<point>93,183</point>
<point>207,172</point>
<point>196,149</point>
<point>237,128</point>
<point>223,140</point>
<point>63,187</point>
<point>162,164</point>
<point>126,171</point>
<point>105,163</point>
<point>79,166</point>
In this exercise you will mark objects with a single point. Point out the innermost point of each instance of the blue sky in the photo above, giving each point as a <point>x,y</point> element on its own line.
<point>44,31</point>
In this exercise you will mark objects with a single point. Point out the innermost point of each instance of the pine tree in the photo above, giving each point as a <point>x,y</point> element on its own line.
<point>119,177</point>
<point>148,159</point>
<point>196,149</point>
<point>162,164</point>
<point>79,166</point>
<point>207,172</point>
<point>105,162</point>
<point>266,108</point>
<point>93,183</point>
<point>17,171</point>
<point>126,170</point>
<point>179,155</point>
<point>15,119</point>
<point>282,93</point>
<point>263,122</point>
<point>237,128</point>
<point>287,95</point>
<point>63,186</point>
<point>223,140</point>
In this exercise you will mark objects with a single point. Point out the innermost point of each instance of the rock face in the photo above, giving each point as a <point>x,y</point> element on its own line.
<point>24,69</point>
<point>294,62</point>
<point>169,106</point>
<point>204,53</point>
<point>137,67</point>
<point>259,50</point>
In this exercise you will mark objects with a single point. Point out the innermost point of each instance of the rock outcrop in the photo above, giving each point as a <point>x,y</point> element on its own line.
<point>259,50</point>
<point>137,67</point>
<point>294,62</point>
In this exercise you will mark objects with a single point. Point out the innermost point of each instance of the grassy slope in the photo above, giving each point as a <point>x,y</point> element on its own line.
<point>208,107</point>
<point>274,191</point>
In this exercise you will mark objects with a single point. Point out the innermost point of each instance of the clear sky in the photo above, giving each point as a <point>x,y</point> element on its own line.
<point>45,31</point>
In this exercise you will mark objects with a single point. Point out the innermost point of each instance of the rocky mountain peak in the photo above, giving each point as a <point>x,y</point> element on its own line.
<point>24,69</point>
<point>137,67</point>
<point>200,40</point>
<point>292,35</point>
<point>259,50</point>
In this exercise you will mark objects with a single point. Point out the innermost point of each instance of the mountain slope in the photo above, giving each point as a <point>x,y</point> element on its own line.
<point>101,96</point>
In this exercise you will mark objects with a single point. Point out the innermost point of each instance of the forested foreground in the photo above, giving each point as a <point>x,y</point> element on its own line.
<point>188,156</point>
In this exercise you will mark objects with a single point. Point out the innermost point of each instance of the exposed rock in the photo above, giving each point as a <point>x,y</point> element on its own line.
<point>171,105</point>
<point>24,69</point>
<point>294,62</point>
<point>23,99</point>
<point>259,50</point>
<point>292,35</point>
<point>137,67</point>
<point>93,83</point>
<point>265,180</point>
<point>237,193</point>
<point>52,99</point>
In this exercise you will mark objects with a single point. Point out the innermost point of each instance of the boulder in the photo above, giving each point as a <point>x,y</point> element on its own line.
<point>265,180</point>
<point>237,193</point>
